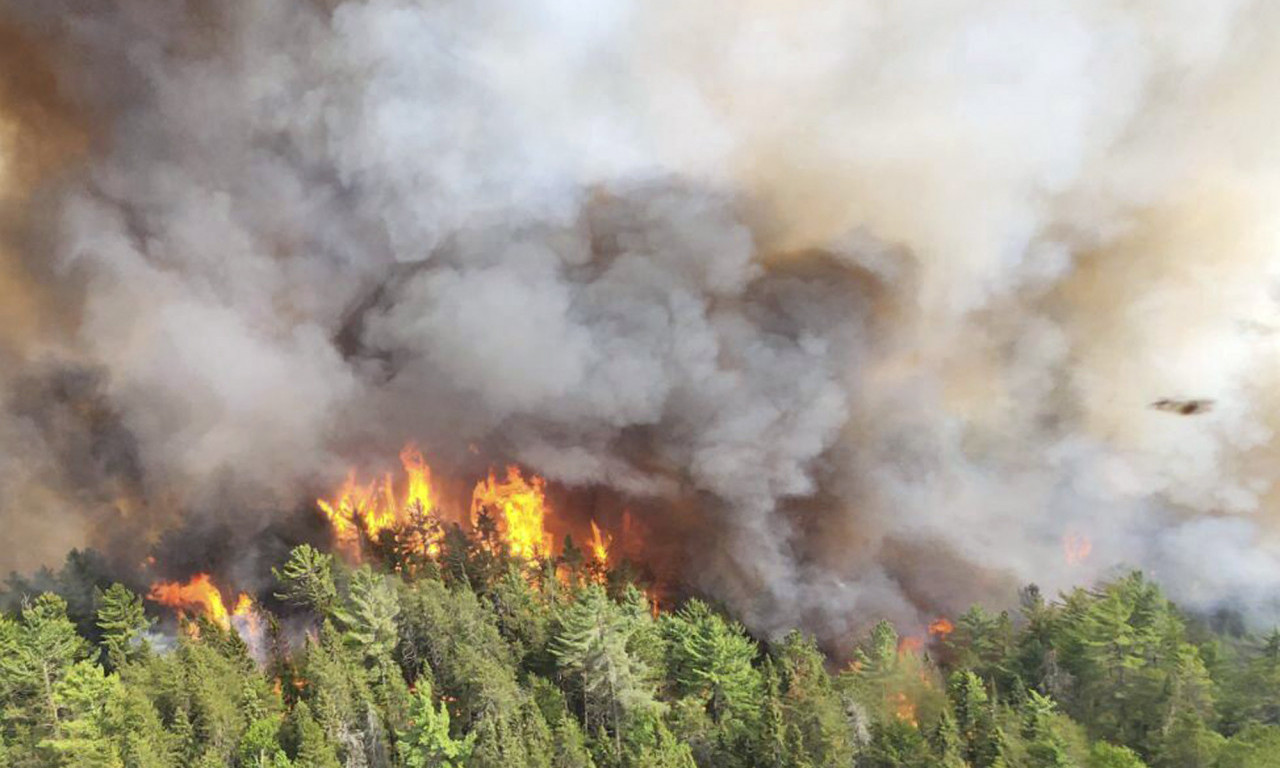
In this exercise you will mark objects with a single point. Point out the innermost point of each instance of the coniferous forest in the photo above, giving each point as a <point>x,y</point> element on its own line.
<point>731,348</point>
<point>472,657</point>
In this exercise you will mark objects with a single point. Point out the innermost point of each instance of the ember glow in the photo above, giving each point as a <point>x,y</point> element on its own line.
<point>1076,548</point>
<point>903,707</point>
<point>910,646</point>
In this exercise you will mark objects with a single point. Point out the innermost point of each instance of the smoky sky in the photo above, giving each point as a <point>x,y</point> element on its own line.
<point>870,300</point>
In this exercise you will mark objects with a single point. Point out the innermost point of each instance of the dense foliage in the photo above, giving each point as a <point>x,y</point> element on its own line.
<point>472,658</point>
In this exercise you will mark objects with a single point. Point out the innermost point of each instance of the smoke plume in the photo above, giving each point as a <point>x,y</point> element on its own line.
<point>868,301</point>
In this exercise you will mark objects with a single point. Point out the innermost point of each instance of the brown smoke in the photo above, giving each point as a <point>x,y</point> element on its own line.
<point>865,304</point>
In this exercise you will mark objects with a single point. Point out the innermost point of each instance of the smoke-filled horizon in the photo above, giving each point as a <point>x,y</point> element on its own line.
<point>869,300</point>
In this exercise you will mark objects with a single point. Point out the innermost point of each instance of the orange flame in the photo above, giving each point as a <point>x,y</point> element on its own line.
<point>419,494</point>
<point>655,602</point>
<point>600,544</point>
<point>371,509</point>
<point>198,595</point>
<point>910,646</point>
<point>245,616</point>
<point>940,628</point>
<point>1076,548</point>
<point>904,708</point>
<point>522,505</point>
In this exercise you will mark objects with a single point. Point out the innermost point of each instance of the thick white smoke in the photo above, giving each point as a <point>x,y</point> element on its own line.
<point>881,293</point>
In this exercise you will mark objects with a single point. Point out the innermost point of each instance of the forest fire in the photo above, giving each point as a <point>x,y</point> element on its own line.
<point>359,511</point>
<point>599,544</point>
<point>246,613</point>
<point>521,507</point>
<point>904,708</point>
<point>515,505</point>
<point>910,646</point>
<point>402,517</point>
<point>198,596</point>
<point>1076,548</point>
<point>940,628</point>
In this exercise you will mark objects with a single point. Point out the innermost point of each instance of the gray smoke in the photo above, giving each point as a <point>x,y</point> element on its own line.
<point>873,297</point>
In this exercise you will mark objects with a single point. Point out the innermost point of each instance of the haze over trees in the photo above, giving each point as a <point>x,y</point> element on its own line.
<point>478,659</point>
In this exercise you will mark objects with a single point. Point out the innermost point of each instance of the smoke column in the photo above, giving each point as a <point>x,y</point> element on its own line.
<point>869,299</point>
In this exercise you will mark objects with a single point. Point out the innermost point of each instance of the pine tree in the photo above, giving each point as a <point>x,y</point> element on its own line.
<point>83,739</point>
<point>811,704</point>
<point>650,744</point>
<point>1265,676</point>
<point>136,727</point>
<point>568,742</point>
<point>522,616</point>
<point>882,647</point>
<point>1044,745</point>
<point>35,655</point>
<point>307,580</point>
<point>1104,755</point>
<point>124,623</point>
<point>1257,746</point>
<point>570,748</point>
<point>712,658</point>
<point>369,614</point>
<point>975,720</point>
<point>260,747</point>
<point>214,685</point>
<point>1189,743</point>
<point>897,743</point>
<point>573,559</point>
<point>1036,658</point>
<point>983,643</point>
<point>592,647</point>
<point>505,657</point>
<point>310,747</point>
<point>426,743</point>
<point>1122,645</point>
<point>182,737</point>
<point>796,752</point>
<point>337,692</point>
<point>369,617</point>
<point>771,746</point>
<point>944,739</point>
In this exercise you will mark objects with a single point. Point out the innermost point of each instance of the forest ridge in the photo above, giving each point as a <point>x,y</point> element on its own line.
<point>478,658</point>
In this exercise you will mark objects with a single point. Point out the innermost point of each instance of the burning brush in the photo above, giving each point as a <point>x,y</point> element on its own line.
<point>404,515</point>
